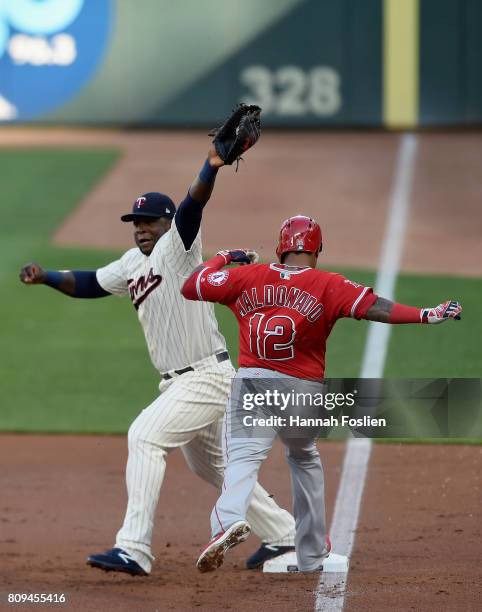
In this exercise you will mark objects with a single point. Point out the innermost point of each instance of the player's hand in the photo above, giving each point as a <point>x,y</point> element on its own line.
<point>32,274</point>
<point>241,256</point>
<point>253,256</point>
<point>214,160</point>
<point>443,312</point>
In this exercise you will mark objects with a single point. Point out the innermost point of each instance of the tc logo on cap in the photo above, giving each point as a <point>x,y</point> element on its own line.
<point>140,202</point>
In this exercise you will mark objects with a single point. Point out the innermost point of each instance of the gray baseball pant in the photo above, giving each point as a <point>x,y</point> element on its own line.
<point>243,457</point>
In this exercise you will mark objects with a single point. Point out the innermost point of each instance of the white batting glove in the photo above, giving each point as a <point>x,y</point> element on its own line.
<point>253,256</point>
<point>443,312</point>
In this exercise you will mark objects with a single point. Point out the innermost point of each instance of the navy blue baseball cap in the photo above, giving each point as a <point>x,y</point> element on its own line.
<point>152,204</point>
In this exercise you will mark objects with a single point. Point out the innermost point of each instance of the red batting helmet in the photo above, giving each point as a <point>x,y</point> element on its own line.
<point>299,234</point>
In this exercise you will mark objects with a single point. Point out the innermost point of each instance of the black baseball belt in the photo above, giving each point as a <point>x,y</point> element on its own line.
<point>220,357</point>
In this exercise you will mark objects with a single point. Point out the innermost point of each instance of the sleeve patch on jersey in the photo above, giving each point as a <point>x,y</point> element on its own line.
<point>218,278</point>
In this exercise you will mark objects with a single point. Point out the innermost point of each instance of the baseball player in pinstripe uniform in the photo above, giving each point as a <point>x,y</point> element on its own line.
<point>188,350</point>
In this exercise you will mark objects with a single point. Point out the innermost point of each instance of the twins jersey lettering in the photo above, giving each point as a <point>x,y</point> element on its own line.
<point>285,314</point>
<point>178,332</point>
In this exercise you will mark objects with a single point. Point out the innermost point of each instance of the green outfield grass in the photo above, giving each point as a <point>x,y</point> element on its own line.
<point>449,350</point>
<point>82,366</point>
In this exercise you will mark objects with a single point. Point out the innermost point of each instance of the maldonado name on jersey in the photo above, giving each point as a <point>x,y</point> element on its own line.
<point>288,297</point>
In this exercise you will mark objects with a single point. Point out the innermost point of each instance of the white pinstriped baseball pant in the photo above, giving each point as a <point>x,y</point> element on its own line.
<point>188,414</point>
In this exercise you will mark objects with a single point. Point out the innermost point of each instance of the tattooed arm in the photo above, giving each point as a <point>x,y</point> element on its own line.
<point>385,311</point>
<point>380,311</point>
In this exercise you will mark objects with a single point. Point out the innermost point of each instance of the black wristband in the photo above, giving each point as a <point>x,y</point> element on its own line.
<point>208,173</point>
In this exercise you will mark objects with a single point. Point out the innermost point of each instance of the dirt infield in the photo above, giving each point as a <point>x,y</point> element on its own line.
<point>418,537</point>
<point>63,497</point>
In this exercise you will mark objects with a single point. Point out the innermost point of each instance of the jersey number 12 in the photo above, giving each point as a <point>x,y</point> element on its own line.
<point>272,337</point>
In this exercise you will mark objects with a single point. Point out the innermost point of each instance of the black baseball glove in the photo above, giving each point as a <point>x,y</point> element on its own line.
<point>238,133</point>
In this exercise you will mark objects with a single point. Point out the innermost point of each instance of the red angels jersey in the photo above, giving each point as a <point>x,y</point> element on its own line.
<point>285,313</point>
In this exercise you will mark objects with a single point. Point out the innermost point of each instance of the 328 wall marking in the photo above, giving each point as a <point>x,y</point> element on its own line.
<point>293,91</point>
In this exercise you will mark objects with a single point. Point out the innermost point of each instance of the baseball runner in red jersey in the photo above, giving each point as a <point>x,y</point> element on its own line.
<point>190,354</point>
<point>285,312</point>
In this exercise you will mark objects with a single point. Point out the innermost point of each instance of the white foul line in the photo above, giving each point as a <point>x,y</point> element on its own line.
<point>330,593</point>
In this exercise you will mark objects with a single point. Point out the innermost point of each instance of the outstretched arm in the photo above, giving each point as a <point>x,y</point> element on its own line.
<point>385,311</point>
<point>237,134</point>
<point>217,289</point>
<point>189,214</point>
<point>202,186</point>
<point>75,283</point>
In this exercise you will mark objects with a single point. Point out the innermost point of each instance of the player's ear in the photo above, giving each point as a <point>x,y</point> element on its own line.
<point>166,223</point>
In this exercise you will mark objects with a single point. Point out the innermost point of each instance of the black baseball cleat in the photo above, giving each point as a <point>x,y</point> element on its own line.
<point>266,552</point>
<point>116,560</point>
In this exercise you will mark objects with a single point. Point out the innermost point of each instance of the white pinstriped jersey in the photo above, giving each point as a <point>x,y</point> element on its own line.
<point>178,332</point>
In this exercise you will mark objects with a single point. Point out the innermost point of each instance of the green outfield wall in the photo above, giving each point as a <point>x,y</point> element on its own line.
<point>373,63</point>
<point>450,62</point>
